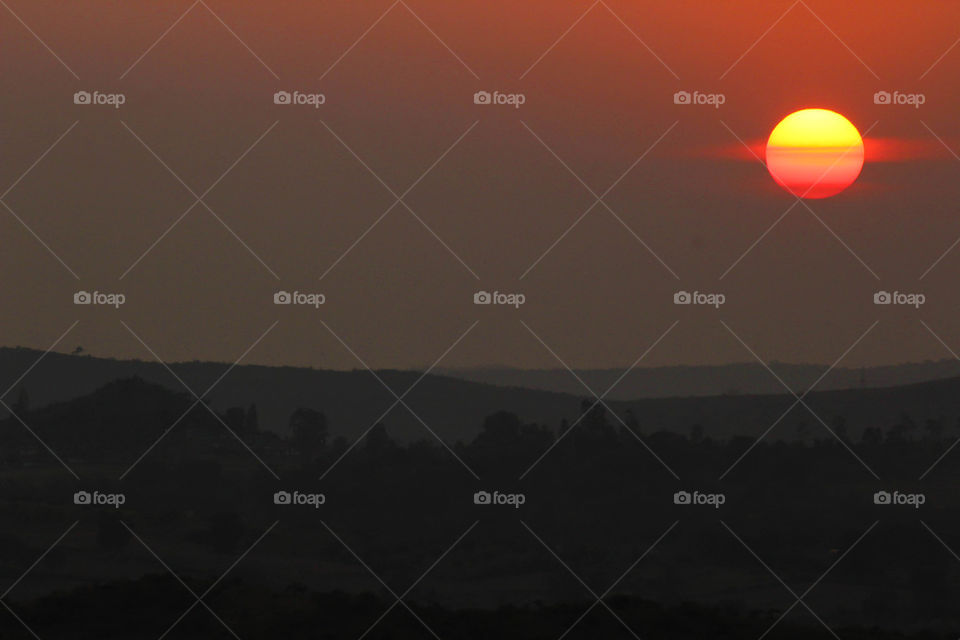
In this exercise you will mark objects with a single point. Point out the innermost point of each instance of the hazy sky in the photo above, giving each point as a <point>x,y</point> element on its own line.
<point>400,99</point>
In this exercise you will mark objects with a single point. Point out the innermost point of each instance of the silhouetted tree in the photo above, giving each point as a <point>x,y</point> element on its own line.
<point>22,404</point>
<point>378,441</point>
<point>631,422</point>
<point>840,427</point>
<point>308,427</point>
<point>594,424</point>
<point>251,421</point>
<point>696,433</point>
<point>235,419</point>
<point>872,436</point>
<point>499,430</point>
<point>904,428</point>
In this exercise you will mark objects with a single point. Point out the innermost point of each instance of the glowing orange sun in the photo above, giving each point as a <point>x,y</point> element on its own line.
<point>815,153</point>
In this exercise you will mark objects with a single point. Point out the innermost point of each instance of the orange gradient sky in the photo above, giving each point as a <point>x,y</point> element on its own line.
<point>599,99</point>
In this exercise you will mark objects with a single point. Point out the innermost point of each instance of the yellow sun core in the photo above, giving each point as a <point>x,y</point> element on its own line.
<point>815,153</point>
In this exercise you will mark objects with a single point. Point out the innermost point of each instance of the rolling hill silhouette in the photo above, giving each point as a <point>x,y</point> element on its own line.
<point>709,380</point>
<point>354,400</point>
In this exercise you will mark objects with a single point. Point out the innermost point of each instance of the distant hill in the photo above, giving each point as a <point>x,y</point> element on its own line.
<point>352,400</point>
<point>728,379</point>
<point>455,408</point>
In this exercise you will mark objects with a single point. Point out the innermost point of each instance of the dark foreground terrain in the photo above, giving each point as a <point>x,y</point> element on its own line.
<point>145,609</point>
<point>121,509</point>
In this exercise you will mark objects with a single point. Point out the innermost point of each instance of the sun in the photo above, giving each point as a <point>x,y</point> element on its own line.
<point>815,153</point>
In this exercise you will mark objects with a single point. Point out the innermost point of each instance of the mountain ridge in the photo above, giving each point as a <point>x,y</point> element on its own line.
<point>455,408</point>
